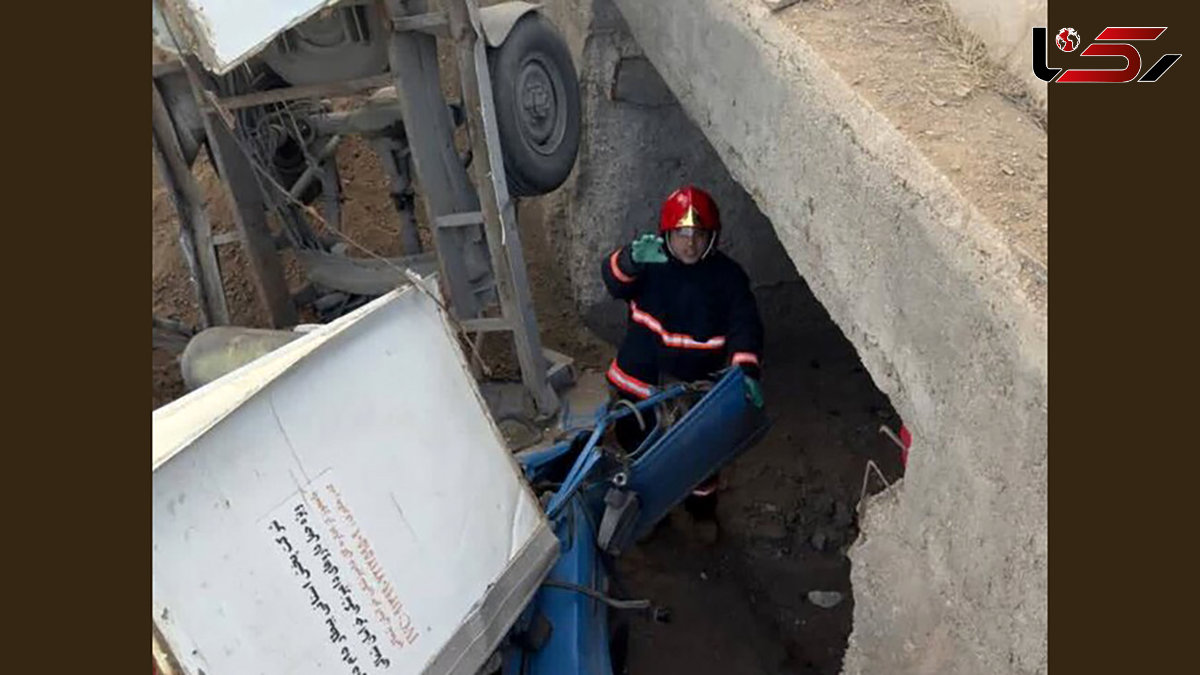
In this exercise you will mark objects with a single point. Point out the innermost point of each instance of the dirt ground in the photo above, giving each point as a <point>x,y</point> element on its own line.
<point>787,512</point>
<point>970,118</point>
<point>787,508</point>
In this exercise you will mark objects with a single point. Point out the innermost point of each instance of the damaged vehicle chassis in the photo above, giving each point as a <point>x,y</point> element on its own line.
<point>271,132</point>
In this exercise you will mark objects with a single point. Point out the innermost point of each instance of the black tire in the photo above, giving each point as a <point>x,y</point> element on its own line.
<point>536,91</point>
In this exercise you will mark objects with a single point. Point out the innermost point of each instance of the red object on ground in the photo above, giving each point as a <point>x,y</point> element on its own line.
<point>906,439</point>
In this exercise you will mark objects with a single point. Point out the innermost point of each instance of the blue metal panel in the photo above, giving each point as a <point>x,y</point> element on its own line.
<point>532,460</point>
<point>718,428</point>
<point>578,643</point>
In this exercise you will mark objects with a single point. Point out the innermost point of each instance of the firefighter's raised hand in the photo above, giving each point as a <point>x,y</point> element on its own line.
<point>648,249</point>
<point>750,375</point>
<point>753,391</point>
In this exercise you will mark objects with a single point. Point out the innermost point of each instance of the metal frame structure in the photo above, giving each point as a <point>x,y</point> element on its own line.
<point>472,215</point>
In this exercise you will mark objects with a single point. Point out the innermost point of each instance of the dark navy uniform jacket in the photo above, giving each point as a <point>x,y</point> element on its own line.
<point>686,321</point>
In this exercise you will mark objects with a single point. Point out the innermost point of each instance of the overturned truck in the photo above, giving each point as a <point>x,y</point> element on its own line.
<point>253,87</point>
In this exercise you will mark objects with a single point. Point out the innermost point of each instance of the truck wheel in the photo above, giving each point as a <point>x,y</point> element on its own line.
<point>536,91</point>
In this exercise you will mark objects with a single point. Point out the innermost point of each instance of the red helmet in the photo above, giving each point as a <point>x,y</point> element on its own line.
<point>689,206</point>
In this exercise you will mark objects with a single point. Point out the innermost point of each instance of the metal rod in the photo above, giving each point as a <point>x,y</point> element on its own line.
<point>343,88</point>
<point>310,173</point>
<point>591,593</point>
<point>587,458</point>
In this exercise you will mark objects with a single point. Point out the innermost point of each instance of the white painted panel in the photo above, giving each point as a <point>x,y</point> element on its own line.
<point>343,502</point>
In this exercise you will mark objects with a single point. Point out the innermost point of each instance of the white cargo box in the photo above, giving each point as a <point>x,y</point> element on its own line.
<point>344,504</point>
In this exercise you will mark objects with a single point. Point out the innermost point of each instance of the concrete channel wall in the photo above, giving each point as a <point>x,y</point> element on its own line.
<point>949,573</point>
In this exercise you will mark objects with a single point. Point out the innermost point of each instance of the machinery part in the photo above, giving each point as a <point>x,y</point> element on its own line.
<point>312,173</point>
<point>282,138</point>
<point>307,177</point>
<point>278,136</point>
<point>616,525</point>
<point>290,164</point>
<point>503,240</point>
<point>285,134</point>
<point>536,91</point>
<point>172,326</point>
<point>223,349</point>
<point>347,43</point>
<point>195,230</point>
<point>380,114</point>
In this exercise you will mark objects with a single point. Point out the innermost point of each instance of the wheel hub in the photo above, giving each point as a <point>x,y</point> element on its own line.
<point>539,96</point>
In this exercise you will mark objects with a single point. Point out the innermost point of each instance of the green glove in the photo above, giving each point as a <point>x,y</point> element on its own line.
<point>753,391</point>
<point>648,248</point>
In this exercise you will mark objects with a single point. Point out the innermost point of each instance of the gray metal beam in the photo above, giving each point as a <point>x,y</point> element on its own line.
<point>499,213</point>
<point>246,198</point>
<point>445,186</point>
<point>195,231</point>
<point>341,88</point>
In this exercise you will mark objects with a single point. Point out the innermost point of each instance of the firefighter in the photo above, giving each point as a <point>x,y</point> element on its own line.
<point>691,314</point>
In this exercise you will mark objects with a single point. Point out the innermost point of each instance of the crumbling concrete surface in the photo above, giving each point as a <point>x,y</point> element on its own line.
<point>928,252</point>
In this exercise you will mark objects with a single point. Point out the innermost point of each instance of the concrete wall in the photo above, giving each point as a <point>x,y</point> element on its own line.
<point>950,571</point>
<point>1005,28</point>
